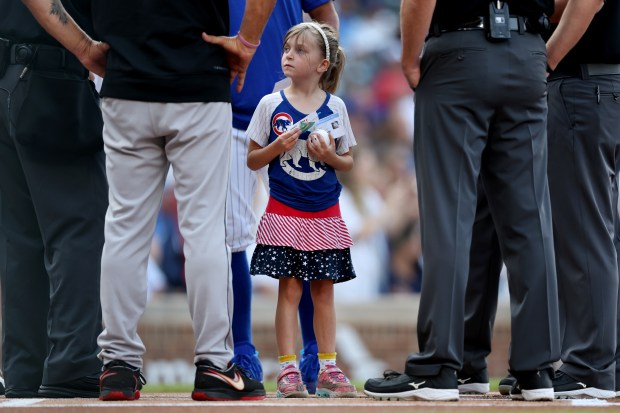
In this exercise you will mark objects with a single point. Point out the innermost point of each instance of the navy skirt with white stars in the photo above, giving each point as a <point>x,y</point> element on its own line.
<point>306,245</point>
<point>276,261</point>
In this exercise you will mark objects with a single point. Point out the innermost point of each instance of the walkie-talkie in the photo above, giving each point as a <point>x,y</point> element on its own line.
<point>499,21</point>
<point>5,55</point>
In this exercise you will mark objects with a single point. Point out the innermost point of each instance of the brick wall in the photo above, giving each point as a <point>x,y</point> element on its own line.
<point>386,327</point>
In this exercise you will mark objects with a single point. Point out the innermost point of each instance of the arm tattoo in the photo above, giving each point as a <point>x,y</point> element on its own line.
<point>57,9</point>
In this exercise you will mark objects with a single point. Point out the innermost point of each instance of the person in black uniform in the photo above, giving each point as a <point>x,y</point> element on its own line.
<point>584,162</point>
<point>480,86</point>
<point>485,259</point>
<point>53,197</point>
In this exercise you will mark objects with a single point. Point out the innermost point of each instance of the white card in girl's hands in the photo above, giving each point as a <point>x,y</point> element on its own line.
<point>331,124</point>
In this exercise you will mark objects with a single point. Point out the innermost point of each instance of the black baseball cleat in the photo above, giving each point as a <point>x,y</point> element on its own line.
<point>120,381</point>
<point>475,383</point>
<point>567,387</point>
<point>401,386</point>
<point>533,385</point>
<point>86,387</point>
<point>215,384</point>
<point>505,385</point>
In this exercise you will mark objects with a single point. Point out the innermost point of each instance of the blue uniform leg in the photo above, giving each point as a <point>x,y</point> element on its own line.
<point>309,364</point>
<point>245,352</point>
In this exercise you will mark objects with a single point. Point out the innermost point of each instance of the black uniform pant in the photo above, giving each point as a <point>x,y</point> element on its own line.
<point>485,266</point>
<point>617,245</point>
<point>53,198</point>
<point>584,155</point>
<point>477,96</point>
<point>584,143</point>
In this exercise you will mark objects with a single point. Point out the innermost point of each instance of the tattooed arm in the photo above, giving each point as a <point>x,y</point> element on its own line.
<point>54,18</point>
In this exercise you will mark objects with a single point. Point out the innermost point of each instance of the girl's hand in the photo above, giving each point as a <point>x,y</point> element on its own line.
<point>259,156</point>
<point>319,149</point>
<point>287,140</point>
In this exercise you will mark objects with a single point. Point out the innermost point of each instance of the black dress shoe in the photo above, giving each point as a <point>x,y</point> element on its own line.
<point>87,387</point>
<point>566,386</point>
<point>534,385</point>
<point>401,386</point>
<point>506,384</point>
<point>21,394</point>
<point>473,383</point>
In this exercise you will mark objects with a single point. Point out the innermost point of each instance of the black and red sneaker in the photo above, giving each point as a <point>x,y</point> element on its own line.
<point>233,383</point>
<point>120,381</point>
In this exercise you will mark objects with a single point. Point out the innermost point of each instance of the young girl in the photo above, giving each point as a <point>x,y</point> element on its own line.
<point>302,236</point>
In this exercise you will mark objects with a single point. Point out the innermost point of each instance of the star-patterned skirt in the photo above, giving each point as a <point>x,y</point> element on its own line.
<point>276,262</point>
<point>306,245</point>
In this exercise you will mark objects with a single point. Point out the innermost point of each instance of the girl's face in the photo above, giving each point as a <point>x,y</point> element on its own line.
<point>302,58</point>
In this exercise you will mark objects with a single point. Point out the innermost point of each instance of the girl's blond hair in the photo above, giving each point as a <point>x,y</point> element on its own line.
<point>330,79</point>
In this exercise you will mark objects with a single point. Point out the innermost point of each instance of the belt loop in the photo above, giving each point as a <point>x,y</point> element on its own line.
<point>583,72</point>
<point>436,30</point>
<point>521,24</point>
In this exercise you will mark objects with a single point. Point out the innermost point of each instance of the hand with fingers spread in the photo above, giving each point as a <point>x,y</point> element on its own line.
<point>240,48</point>
<point>238,55</point>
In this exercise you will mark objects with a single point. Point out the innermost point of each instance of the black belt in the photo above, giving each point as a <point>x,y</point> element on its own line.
<point>45,57</point>
<point>585,71</point>
<point>517,23</point>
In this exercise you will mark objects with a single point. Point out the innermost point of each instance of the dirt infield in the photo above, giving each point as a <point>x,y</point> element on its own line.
<point>181,403</point>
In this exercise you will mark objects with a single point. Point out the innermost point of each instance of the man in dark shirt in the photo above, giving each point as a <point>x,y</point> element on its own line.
<point>480,86</point>
<point>166,101</point>
<point>53,196</point>
<point>584,161</point>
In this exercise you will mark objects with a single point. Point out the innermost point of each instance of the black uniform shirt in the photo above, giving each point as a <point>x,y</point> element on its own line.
<point>157,53</point>
<point>601,42</point>
<point>463,11</point>
<point>18,25</point>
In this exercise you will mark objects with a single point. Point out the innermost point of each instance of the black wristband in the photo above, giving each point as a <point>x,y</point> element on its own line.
<point>549,69</point>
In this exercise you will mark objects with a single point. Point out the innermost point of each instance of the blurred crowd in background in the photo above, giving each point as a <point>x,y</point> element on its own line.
<point>379,198</point>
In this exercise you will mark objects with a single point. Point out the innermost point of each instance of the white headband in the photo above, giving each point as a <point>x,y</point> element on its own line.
<point>322,33</point>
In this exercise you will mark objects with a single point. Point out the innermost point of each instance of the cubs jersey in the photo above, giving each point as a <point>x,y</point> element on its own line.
<point>264,69</point>
<point>295,179</point>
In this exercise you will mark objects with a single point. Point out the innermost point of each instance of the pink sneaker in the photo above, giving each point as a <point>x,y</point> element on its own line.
<point>333,383</point>
<point>290,383</point>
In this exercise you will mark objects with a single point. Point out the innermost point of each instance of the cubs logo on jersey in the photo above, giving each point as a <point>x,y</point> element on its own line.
<point>296,162</point>
<point>281,122</point>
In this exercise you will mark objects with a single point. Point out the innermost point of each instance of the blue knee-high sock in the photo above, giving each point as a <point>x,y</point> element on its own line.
<point>306,321</point>
<point>242,293</point>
